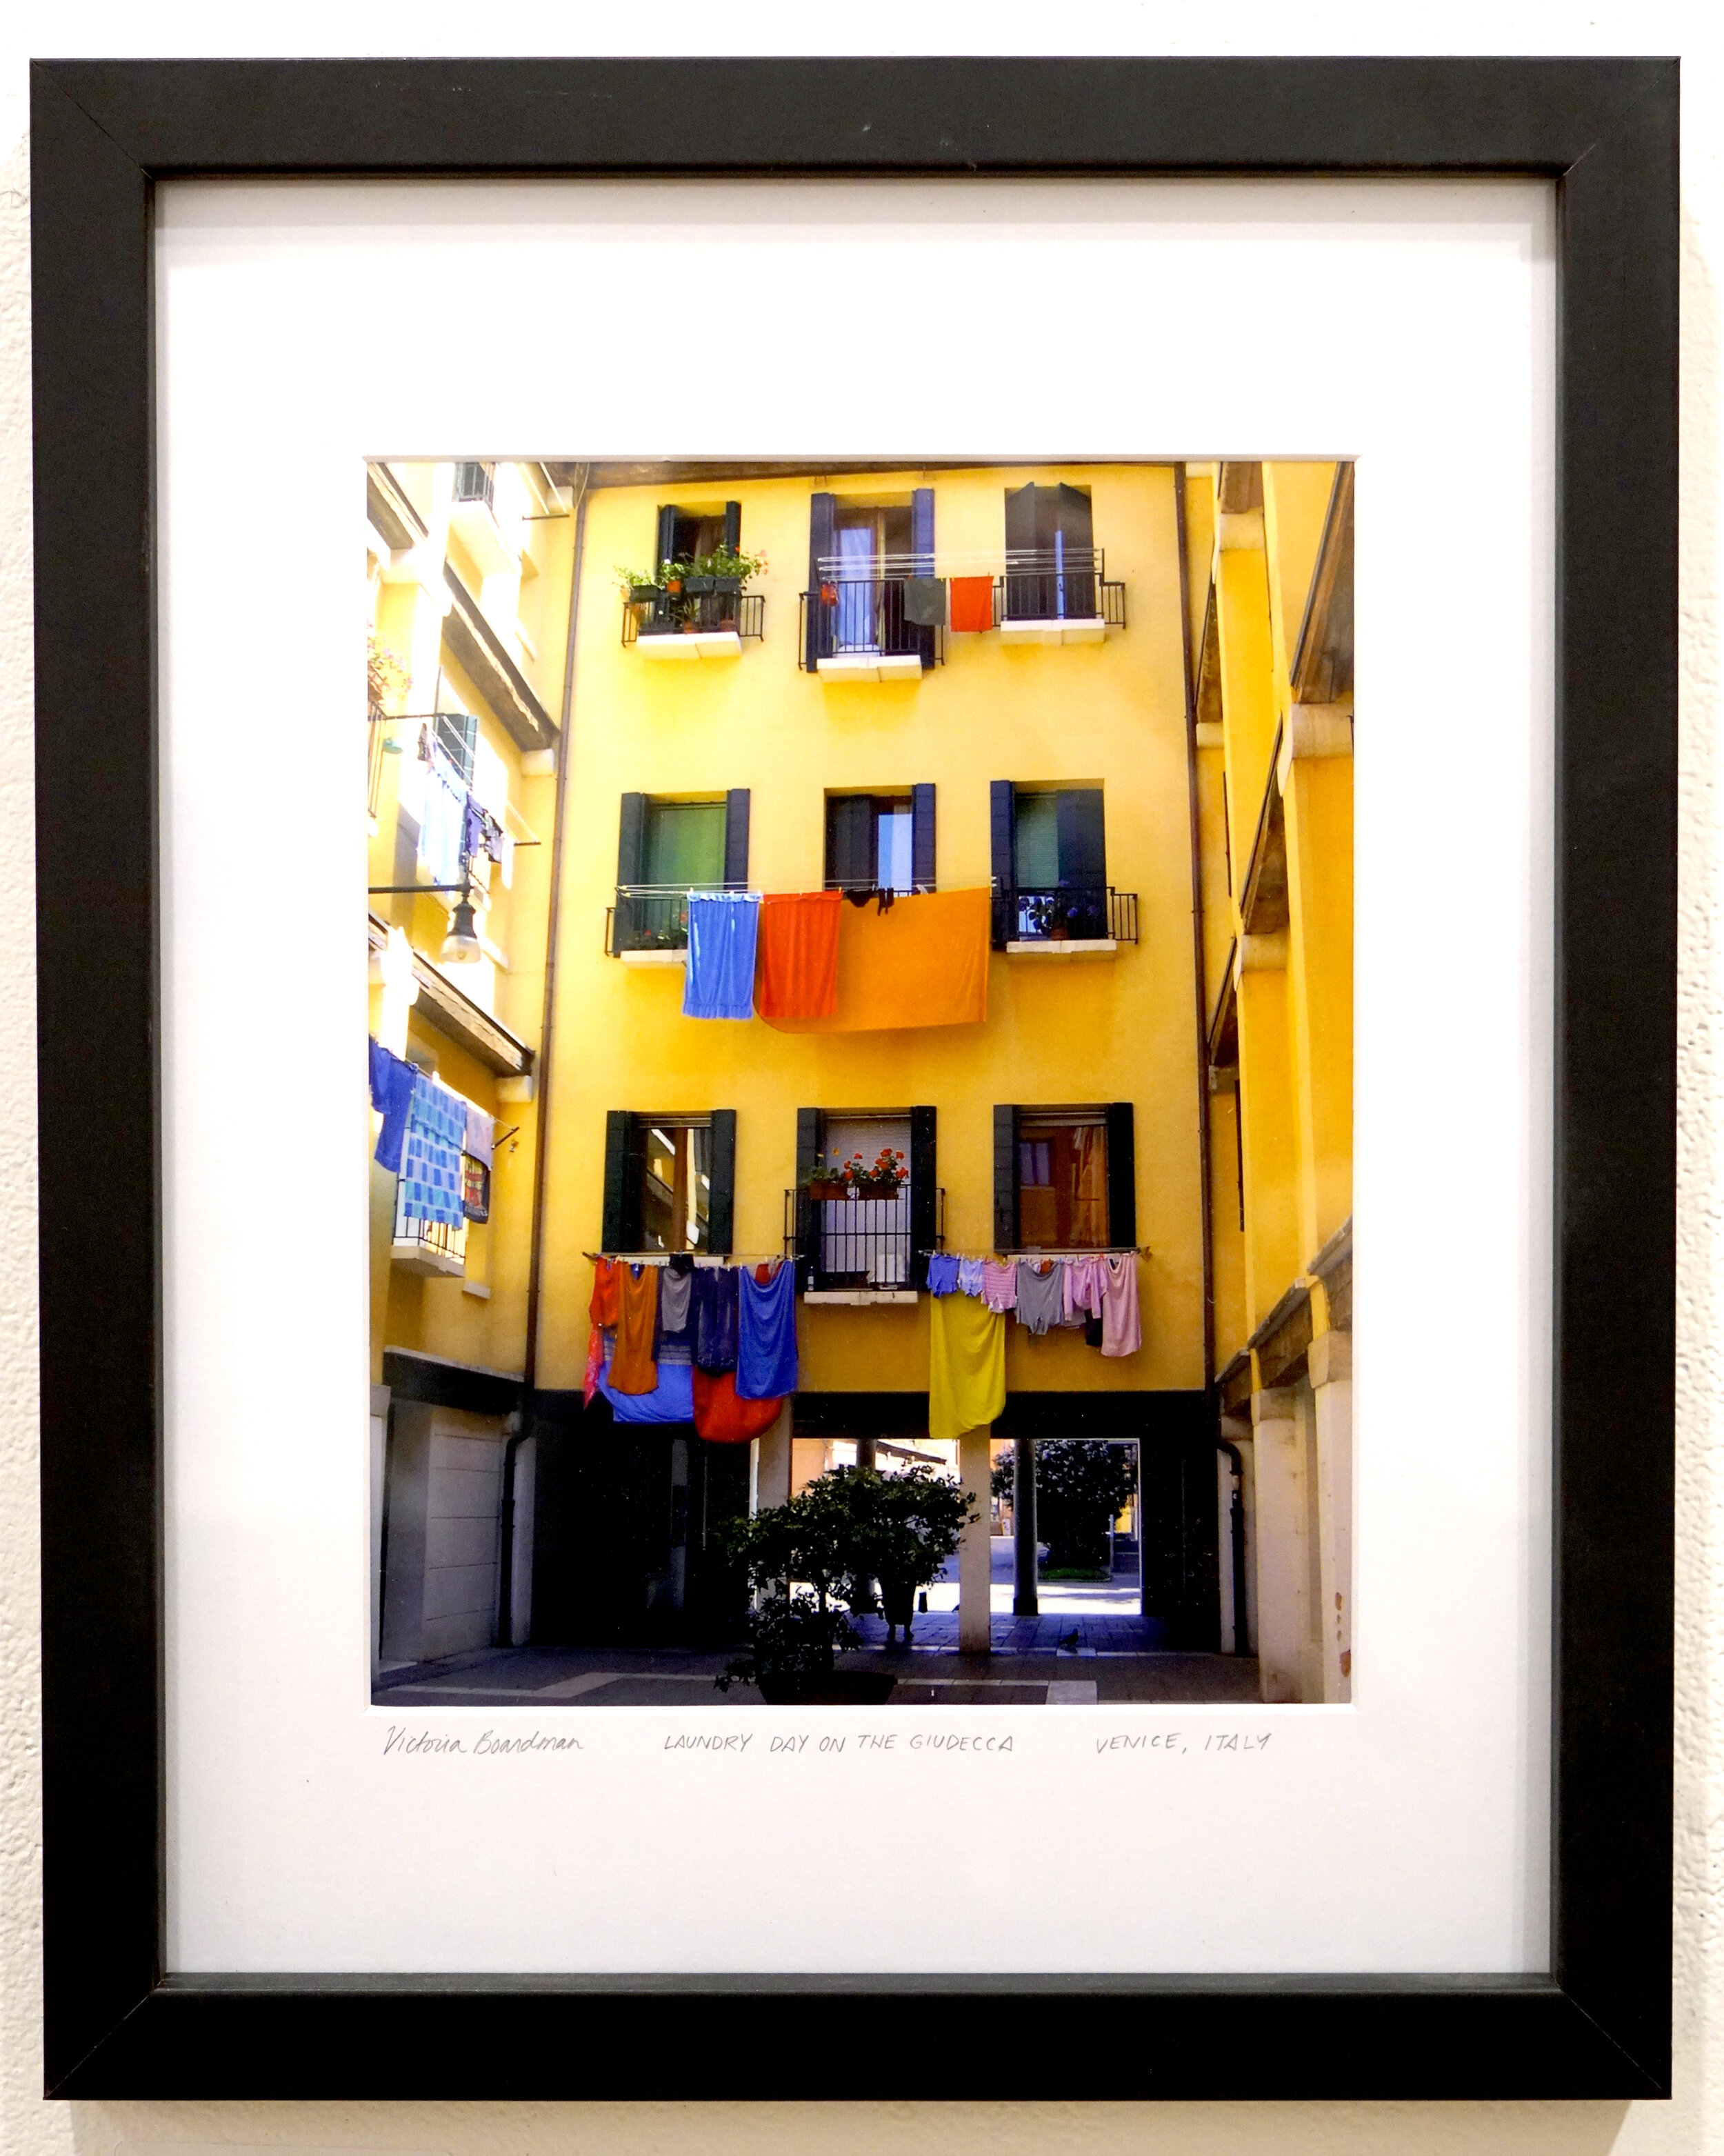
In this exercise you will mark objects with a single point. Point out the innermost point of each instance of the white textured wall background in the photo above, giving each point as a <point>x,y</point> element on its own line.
<point>1695,2122</point>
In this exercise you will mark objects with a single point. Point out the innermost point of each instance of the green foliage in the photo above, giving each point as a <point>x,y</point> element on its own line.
<point>726,562</point>
<point>812,1560</point>
<point>1080,1484</point>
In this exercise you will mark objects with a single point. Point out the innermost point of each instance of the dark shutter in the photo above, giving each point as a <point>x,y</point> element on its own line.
<point>1025,591</point>
<point>921,837</point>
<point>1002,852</point>
<point>849,839</point>
<point>921,550</point>
<point>1072,519</point>
<point>616,1146</point>
<point>924,1193</point>
<point>1083,860</point>
<point>1121,1175</point>
<point>733,524</point>
<point>810,1138</point>
<point>631,852</point>
<point>721,1198</point>
<point>822,543</point>
<point>1005,1178</point>
<point>664,545</point>
<point>736,839</point>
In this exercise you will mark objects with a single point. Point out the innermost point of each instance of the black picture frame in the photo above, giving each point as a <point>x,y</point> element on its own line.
<point>1605,132</point>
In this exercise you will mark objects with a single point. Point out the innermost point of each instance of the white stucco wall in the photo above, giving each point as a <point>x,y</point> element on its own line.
<point>1695,2122</point>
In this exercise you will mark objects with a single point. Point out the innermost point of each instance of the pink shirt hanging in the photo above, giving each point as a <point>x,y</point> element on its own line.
<point>1122,1332</point>
<point>999,1283</point>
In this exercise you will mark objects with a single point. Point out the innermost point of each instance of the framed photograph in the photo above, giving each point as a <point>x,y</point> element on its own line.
<point>796,1447</point>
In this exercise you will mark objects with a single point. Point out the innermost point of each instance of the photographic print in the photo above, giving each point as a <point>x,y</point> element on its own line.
<point>861,1081</point>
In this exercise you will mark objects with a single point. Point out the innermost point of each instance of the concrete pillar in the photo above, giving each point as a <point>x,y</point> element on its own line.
<point>975,1556</point>
<point>1237,1430</point>
<point>1332,1367</point>
<point>1283,1564</point>
<point>1023,1538</point>
<point>772,1475</point>
<point>406,1498</point>
<point>866,1453</point>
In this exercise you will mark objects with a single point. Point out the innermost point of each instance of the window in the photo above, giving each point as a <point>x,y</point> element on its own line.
<point>1064,1178</point>
<point>1049,859</point>
<point>860,554</point>
<point>675,1195</point>
<point>683,534</point>
<point>880,841</point>
<point>1062,1181</point>
<point>669,1181</point>
<point>683,842</point>
<point>1050,555</point>
<point>878,1238</point>
<point>664,849</point>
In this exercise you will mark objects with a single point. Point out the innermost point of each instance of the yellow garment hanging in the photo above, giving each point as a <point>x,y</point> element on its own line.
<point>967,1364</point>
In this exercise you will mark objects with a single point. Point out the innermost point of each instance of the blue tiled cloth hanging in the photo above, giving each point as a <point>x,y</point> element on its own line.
<point>431,1158</point>
<point>723,926</point>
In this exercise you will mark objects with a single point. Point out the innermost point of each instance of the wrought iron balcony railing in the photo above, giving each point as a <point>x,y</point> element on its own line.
<point>650,916</point>
<point>699,613</point>
<point>863,616</point>
<point>1065,584</point>
<point>1066,913</point>
<point>859,1243</point>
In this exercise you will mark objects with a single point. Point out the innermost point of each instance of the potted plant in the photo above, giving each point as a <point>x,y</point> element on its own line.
<point>803,1561</point>
<point>830,1183</point>
<point>885,1178</point>
<point>671,575</point>
<point>638,588</point>
<point>905,1526</point>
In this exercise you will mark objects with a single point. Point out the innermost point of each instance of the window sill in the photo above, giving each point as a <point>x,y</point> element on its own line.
<point>872,666</point>
<point>653,958</point>
<point>855,1297</point>
<point>715,643</point>
<point>1088,631</point>
<point>1078,946</point>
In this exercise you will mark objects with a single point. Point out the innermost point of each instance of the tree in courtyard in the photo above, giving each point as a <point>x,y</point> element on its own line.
<point>1080,1484</point>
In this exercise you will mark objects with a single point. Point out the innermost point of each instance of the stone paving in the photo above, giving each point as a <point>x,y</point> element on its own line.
<point>545,1677</point>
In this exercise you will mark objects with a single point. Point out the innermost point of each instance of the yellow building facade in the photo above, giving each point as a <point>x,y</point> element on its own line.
<point>773,733</point>
<point>469,581</point>
<point>1272,624</point>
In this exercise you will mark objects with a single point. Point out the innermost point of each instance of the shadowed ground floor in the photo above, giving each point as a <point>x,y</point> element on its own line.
<point>927,1676</point>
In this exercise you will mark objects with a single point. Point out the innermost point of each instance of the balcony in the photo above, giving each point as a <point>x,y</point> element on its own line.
<point>1071,920</point>
<point>472,519</point>
<point>430,1247</point>
<point>1061,597</point>
<point>647,924</point>
<point>856,1251</point>
<point>697,622</point>
<point>855,628</point>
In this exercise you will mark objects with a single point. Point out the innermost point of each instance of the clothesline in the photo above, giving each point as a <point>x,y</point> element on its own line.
<point>850,568</point>
<point>710,1261</point>
<point>1103,1251</point>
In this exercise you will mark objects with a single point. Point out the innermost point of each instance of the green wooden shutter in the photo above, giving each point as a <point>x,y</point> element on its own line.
<point>1121,1175</point>
<point>1002,848</point>
<point>733,526</point>
<point>921,837</point>
<point>665,543</point>
<point>613,1233</point>
<point>810,1142</point>
<point>1005,1178</point>
<point>822,543</point>
<point>922,549</point>
<point>924,1193</point>
<point>721,1198</point>
<point>736,839</point>
<point>631,851</point>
